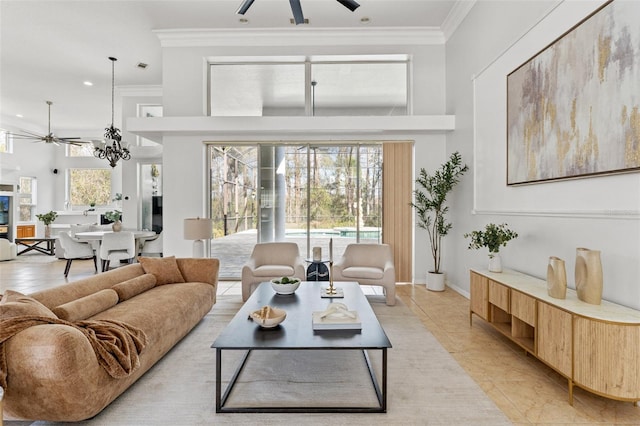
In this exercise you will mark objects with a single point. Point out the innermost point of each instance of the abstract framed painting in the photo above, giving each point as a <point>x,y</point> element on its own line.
<point>573,110</point>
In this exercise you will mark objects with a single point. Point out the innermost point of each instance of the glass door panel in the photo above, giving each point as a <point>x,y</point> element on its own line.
<point>307,194</point>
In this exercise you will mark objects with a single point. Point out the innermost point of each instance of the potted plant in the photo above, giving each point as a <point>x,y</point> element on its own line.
<point>114,216</point>
<point>430,205</point>
<point>92,206</point>
<point>492,238</point>
<point>47,219</point>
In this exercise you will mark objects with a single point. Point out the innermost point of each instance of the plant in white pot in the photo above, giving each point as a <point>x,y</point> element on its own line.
<point>430,204</point>
<point>492,238</point>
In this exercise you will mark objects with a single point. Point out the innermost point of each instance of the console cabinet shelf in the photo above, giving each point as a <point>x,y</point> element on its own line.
<point>596,347</point>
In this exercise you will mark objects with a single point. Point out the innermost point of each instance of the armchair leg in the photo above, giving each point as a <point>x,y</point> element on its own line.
<point>67,267</point>
<point>95,263</point>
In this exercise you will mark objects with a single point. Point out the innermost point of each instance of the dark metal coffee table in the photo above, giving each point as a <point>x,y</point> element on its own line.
<point>296,333</point>
<point>34,244</point>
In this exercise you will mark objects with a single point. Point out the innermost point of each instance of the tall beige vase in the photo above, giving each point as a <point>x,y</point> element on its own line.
<point>589,275</point>
<point>556,278</point>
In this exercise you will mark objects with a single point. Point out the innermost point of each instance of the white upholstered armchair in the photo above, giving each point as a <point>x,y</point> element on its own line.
<point>269,261</point>
<point>116,246</point>
<point>7,249</point>
<point>368,264</point>
<point>73,249</point>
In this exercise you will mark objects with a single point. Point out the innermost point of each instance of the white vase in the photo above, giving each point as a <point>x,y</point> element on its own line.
<point>556,278</point>
<point>435,281</point>
<point>495,262</point>
<point>589,275</point>
<point>116,226</point>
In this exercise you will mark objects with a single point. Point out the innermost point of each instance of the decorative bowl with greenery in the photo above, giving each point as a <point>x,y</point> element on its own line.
<point>492,237</point>
<point>430,202</point>
<point>113,215</point>
<point>285,285</point>
<point>47,218</point>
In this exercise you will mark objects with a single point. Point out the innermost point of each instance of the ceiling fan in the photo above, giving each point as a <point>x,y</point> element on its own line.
<point>296,8</point>
<point>49,137</point>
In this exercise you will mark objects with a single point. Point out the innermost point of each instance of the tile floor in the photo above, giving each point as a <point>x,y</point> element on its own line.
<point>526,390</point>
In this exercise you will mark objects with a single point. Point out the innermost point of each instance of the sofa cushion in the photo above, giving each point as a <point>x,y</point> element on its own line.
<point>134,286</point>
<point>87,306</point>
<point>165,269</point>
<point>15,304</point>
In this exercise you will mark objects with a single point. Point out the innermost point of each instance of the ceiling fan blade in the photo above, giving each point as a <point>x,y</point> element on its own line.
<point>24,135</point>
<point>349,4</point>
<point>246,4</point>
<point>296,8</point>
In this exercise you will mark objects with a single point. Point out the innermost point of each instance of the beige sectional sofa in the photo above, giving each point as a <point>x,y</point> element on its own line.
<point>52,369</point>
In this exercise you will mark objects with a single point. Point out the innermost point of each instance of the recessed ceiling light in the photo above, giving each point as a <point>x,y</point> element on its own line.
<point>365,20</point>
<point>243,21</point>
<point>19,115</point>
<point>87,83</point>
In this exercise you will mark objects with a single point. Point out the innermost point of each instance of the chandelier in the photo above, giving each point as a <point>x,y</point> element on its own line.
<point>113,149</point>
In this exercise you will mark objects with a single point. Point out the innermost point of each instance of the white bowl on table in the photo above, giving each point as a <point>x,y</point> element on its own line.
<point>268,317</point>
<point>288,288</point>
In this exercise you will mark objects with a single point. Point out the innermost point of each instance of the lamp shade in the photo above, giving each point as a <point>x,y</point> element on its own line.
<point>198,228</point>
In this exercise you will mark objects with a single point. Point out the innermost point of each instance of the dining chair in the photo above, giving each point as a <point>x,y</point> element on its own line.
<point>117,246</point>
<point>75,250</point>
<point>152,246</point>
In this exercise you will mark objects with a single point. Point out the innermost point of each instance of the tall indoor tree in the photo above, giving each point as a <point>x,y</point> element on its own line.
<point>430,199</point>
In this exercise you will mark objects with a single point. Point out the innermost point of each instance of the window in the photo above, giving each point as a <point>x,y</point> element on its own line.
<point>87,186</point>
<point>371,85</point>
<point>5,142</point>
<point>27,197</point>
<point>84,150</point>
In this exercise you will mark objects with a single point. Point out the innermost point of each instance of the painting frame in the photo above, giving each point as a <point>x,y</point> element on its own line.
<point>573,109</point>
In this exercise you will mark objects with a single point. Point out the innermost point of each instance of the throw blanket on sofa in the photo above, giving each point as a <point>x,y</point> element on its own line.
<point>116,344</point>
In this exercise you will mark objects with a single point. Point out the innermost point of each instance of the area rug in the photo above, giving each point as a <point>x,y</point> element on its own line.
<point>426,386</point>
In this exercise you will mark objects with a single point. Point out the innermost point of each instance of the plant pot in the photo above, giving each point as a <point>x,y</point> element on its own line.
<point>495,262</point>
<point>47,231</point>
<point>435,281</point>
<point>116,226</point>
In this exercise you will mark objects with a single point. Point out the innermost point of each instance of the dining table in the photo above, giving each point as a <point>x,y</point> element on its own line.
<point>95,238</point>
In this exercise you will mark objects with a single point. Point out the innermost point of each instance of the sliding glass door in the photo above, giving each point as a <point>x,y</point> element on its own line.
<point>303,193</point>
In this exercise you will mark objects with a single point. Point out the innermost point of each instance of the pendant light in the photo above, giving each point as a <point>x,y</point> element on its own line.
<point>113,149</point>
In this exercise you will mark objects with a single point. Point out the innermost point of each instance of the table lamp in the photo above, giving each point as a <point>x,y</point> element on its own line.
<point>198,229</point>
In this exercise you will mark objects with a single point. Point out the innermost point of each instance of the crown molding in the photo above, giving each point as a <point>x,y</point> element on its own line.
<point>455,17</point>
<point>300,37</point>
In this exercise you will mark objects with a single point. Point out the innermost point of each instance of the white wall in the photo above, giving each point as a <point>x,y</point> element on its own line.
<point>184,94</point>
<point>552,218</point>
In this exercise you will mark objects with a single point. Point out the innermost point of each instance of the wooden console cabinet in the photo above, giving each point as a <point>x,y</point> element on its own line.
<point>596,347</point>
<point>25,231</point>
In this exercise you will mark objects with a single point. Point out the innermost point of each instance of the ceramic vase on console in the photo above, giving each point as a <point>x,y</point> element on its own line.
<point>589,275</point>
<point>116,226</point>
<point>47,231</point>
<point>495,262</point>
<point>556,278</point>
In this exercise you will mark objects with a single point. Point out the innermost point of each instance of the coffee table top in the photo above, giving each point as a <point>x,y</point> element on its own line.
<point>296,331</point>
